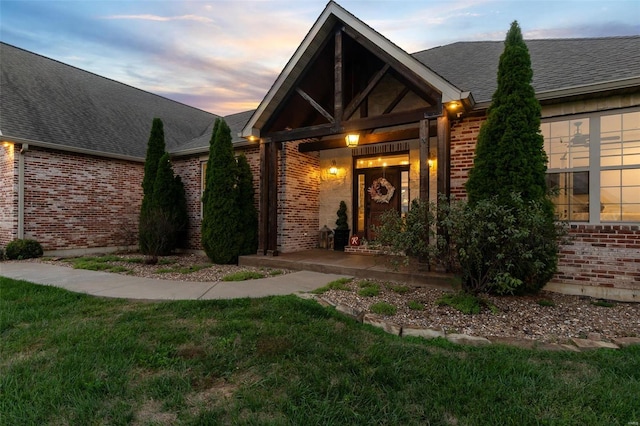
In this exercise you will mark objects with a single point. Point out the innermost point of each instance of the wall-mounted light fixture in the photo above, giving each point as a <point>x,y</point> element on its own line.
<point>453,106</point>
<point>352,140</point>
<point>333,170</point>
<point>432,159</point>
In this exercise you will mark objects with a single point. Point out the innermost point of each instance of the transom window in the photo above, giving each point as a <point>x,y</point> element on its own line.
<point>594,166</point>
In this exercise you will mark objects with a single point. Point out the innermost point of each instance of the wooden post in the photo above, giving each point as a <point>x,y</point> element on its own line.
<point>338,80</point>
<point>444,156</point>
<point>424,157</point>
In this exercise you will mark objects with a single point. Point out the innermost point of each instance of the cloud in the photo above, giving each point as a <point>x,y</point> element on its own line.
<point>160,18</point>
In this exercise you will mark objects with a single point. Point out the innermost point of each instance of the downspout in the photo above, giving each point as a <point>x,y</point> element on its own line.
<point>23,150</point>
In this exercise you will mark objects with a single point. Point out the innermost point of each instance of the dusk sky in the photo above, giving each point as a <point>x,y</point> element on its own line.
<point>223,56</point>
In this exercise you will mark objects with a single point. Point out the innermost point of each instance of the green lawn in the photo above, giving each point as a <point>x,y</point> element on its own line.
<point>74,359</point>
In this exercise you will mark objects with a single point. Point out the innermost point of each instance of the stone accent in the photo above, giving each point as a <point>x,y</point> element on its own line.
<point>379,322</point>
<point>512,341</point>
<point>426,333</point>
<point>465,339</point>
<point>350,312</point>
<point>586,344</point>
<point>325,302</point>
<point>626,341</point>
<point>390,327</point>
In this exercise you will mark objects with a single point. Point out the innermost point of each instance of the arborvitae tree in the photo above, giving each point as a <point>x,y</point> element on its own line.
<point>155,150</point>
<point>247,208</point>
<point>510,156</point>
<point>182,213</point>
<point>510,161</point>
<point>220,218</point>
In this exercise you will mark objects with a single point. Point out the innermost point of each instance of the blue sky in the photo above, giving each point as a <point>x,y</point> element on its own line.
<point>222,56</point>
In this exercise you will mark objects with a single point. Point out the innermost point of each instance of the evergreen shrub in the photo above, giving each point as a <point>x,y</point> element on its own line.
<point>23,249</point>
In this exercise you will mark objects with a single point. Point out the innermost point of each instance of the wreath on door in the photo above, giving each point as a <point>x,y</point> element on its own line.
<point>381,190</point>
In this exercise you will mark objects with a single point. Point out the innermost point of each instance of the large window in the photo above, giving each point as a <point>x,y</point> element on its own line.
<point>594,166</point>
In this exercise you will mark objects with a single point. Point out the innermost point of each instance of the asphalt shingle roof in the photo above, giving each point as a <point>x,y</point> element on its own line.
<point>557,63</point>
<point>47,101</point>
<point>235,122</point>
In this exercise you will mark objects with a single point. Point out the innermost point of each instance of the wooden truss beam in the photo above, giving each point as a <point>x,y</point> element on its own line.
<point>397,135</point>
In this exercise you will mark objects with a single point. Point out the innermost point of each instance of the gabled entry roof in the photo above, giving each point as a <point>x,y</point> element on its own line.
<point>332,15</point>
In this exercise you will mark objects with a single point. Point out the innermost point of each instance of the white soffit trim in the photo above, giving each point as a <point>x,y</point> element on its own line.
<point>449,92</point>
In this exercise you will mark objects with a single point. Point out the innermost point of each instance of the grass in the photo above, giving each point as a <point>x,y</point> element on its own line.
<point>383,308</point>
<point>100,263</point>
<point>603,303</point>
<point>414,305</point>
<point>464,302</point>
<point>243,276</point>
<point>369,289</point>
<point>70,358</point>
<point>546,302</point>
<point>398,288</point>
<point>339,284</point>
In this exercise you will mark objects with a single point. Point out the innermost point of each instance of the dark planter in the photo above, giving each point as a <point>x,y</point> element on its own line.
<point>341,239</point>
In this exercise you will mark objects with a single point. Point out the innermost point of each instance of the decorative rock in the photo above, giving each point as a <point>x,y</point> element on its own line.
<point>513,341</point>
<point>586,344</point>
<point>377,321</point>
<point>557,347</point>
<point>350,312</point>
<point>465,339</point>
<point>594,336</point>
<point>627,341</point>
<point>426,333</point>
<point>325,302</point>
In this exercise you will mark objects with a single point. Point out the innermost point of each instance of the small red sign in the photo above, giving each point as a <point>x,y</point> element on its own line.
<point>354,240</point>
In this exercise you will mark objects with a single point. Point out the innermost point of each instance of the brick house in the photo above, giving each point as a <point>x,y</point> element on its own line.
<point>416,117</point>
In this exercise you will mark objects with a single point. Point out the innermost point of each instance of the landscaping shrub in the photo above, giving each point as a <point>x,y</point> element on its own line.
<point>221,219</point>
<point>502,248</point>
<point>2,255</point>
<point>409,235</point>
<point>23,249</point>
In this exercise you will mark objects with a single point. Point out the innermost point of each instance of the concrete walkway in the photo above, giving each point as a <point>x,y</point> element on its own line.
<point>122,286</point>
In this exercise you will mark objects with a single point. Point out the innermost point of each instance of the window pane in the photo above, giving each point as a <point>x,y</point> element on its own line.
<point>610,195</point>
<point>631,212</point>
<point>631,194</point>
<point>405,192</point>
<point>361,201</point>
<point>610,178</point>
<point>571,197</point>
<point>630,177</point>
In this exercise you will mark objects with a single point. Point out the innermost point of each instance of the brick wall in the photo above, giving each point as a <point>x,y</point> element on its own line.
<point>298,199</point>
<point>8,193</point>
<point>75,201</point>
<point>190,170</point>
<point>463,144</point>
<point>601,256</point>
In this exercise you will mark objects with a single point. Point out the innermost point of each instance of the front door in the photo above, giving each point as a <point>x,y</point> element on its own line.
<point>377,190</point>
<point>383,194</point>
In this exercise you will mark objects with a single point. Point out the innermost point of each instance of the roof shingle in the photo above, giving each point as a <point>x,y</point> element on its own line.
<point>47,101</point>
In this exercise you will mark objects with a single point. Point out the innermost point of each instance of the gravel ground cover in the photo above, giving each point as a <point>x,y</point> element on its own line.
<point>546,317</point>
